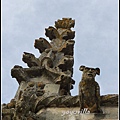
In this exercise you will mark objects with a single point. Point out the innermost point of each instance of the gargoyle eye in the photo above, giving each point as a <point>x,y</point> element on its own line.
<point>92,69</point>
<point>87,68</point>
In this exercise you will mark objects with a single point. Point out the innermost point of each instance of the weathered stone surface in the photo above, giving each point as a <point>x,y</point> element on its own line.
<point>20,90</point>
<point>11,104</point>
<point>26,100</point>
<point>7,114</point>
<point>56,60</point>
<point>44,87</point>
<point>32,96</point>
<point>65,23</point>
<point>110,113</point>
<point>30,59</point>
<point>109,100</point>
<point>67,47</point>
<point>66,63</point>
<point>7,117</point>
<point>52,33</point>
<point>51,89</point>
<point>89,90</point>
<point>71,101</point>
<point>8,111</point>
<point>24,74</point>
<point>42,44</point>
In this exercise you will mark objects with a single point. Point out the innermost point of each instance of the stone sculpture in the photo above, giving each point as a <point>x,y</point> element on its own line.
<point>54,66</point>
<point>89,90</point>
<point>56,58</point>
<point>47,80</point>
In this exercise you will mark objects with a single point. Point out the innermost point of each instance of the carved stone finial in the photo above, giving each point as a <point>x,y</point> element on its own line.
<point>55,64</point>
<point>66,23</point>
<point>62,30</point>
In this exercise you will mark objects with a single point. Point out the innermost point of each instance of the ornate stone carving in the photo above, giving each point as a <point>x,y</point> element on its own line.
<point>26,101</point>
<point>48,79</point>
<point>56,57</point>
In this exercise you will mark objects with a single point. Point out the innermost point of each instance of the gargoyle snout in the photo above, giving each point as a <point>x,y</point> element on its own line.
<point>90,70</point>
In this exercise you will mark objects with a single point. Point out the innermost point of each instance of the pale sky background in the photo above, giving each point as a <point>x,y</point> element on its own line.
<point>96,37</point>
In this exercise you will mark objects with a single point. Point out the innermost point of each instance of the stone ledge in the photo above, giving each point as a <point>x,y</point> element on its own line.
<point>8,111</point>
<point>110,113</point>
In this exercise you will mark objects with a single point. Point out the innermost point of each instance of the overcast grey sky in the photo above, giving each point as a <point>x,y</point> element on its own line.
<point>96,37</point>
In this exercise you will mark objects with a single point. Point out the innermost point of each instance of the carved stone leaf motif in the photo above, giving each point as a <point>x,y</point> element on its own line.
<point>56,57</point>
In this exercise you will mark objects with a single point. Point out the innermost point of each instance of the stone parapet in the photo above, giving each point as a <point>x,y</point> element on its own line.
<point>110,113</point>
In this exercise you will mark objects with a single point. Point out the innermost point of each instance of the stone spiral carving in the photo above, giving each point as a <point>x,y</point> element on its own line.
<point>71,101</point>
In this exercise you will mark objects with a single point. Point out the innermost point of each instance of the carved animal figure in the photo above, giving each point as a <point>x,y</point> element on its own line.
<point>41,44</point>
<point>30,59</point>
<point>89,90</point>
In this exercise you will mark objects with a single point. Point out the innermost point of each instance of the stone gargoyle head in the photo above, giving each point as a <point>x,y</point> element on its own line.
<point>89,73</point>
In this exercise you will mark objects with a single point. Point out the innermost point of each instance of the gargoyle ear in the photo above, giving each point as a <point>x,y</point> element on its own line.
<point>82,67</point>
<point>97,71</point>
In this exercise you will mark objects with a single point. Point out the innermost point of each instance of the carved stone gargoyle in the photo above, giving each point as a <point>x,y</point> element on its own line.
<point>89,90</point>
